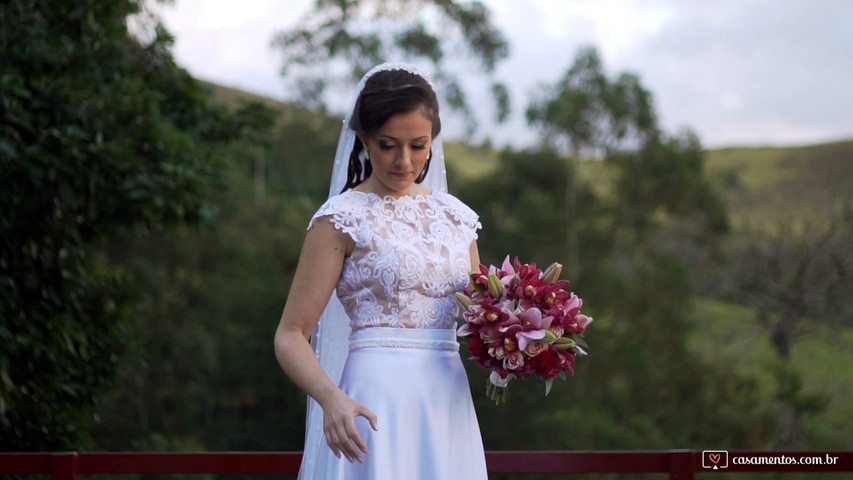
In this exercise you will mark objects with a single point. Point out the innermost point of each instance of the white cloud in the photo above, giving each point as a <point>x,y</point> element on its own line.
<point>736,71</point>
<point>731,101</point>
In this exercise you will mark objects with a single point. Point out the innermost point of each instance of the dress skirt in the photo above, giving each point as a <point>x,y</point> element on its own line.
<point>415,383</point>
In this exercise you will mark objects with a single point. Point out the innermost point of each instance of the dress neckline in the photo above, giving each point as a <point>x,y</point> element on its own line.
<point>391,198</point>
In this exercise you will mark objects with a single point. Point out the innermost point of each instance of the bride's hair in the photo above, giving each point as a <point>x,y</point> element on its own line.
<point>385,94</point>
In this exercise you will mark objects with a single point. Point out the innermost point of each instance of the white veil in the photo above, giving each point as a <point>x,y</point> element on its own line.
<point>330,337</point>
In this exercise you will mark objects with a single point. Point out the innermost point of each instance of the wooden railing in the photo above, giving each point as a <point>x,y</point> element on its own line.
<point>679,464</point>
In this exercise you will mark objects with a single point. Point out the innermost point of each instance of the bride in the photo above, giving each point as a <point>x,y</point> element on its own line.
<point>376,283</point>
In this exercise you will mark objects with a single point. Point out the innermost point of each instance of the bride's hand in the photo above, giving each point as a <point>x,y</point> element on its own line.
<point>339,412</point>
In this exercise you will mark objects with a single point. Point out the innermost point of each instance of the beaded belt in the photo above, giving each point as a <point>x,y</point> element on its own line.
<point>423,338</point>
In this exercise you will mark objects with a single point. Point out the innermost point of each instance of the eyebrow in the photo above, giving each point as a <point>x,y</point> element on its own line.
<point>389,137</point>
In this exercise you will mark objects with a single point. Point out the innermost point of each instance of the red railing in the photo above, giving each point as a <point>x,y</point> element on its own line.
<point>679,464</point>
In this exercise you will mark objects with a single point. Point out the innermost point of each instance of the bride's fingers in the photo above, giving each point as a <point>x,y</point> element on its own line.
<point>342,435</point>
<point>365,412</point>
<point>332,441</point>
<point>356,441</point>
<point>339,442</point>
<point>341,438</point>
<point>371,417</point>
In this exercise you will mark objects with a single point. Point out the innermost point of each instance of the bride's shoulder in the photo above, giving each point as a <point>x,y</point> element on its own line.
<point>345,207</point>
<point>457,206</point>
<point>348,200</point>
<point>449,199</point>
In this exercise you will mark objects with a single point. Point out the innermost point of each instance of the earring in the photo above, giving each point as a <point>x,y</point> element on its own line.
<point>422,175</point>
<point>363,155</point>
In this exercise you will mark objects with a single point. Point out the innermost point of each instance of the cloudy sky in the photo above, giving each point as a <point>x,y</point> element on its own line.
<point>737,72</point>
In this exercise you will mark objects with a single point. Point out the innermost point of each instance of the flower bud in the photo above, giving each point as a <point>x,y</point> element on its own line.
<point>564,343</point>
<point>496,288</point>
<point>552,273</point>
<point>464,301</point>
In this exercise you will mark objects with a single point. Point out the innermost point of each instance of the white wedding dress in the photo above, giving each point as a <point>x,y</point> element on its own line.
<point>397,287</point>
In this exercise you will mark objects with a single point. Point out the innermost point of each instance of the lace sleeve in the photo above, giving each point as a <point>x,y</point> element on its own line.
<point>463,214</point>
<point>346,214</point>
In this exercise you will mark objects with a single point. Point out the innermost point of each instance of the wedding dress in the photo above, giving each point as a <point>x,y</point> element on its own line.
<point>397,287</point>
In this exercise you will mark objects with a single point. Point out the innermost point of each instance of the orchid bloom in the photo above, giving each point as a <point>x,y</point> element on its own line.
<point>573,305</point>
<point>583,320</point>
<point>533,327</point>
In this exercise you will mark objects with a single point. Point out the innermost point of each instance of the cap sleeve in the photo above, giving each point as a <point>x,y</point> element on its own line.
<point>347,214</point>
<point>463,214</point>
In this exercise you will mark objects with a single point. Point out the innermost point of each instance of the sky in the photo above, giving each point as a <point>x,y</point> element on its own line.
<point>736,72</point>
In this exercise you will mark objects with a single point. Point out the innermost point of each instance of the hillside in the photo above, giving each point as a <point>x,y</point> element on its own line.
<point>803,176</point>
<point>764,182</point>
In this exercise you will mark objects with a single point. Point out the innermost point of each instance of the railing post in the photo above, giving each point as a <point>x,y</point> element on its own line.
<point>63,466</point>
<point>681,465</point>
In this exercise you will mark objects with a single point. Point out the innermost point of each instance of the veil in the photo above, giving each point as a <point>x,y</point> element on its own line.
<point>330,337</point>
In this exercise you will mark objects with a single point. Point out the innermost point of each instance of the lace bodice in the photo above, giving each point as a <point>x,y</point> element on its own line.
<point>411,256</point>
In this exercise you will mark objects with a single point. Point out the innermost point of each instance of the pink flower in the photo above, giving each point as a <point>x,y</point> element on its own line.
<point>490,332</point>
<point>573,305</point>
<point>533,325</point>
<point>535,348</point>
<point>514,360</point>
<point>583,321</point>
<point>556,329</point>
<point>577,324</point>
<point>497,350</point>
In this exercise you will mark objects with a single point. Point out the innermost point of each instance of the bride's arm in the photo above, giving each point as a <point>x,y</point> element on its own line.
<point>319,267</point>
<point>475,256</point>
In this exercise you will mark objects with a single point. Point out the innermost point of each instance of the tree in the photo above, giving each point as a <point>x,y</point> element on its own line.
<point>797,274</point>
<point>206,376</point>
<point>588,114</point>
<point>100,132</point>
<point>339,40</point>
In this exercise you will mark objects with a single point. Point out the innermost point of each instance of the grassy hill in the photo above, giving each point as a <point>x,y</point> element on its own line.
<point>756,181</point>
<point>766,182</point>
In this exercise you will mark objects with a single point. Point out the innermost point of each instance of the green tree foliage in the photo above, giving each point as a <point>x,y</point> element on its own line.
<point>206,376</point>
<point>587,114</point>
<point>99,133</point>
<point>657,176</point>
<point>666,176</point>
<point>339,40</point>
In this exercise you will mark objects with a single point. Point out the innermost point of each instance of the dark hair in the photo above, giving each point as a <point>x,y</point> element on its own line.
<point>386,93</point>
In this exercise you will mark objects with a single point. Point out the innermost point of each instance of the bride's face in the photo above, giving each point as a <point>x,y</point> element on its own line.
<point>398,153</point>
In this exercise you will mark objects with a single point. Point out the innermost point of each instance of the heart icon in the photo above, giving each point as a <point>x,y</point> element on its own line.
<point>714,457</point>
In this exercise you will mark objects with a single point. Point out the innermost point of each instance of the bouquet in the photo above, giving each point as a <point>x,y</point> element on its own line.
<point>522,323</point>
